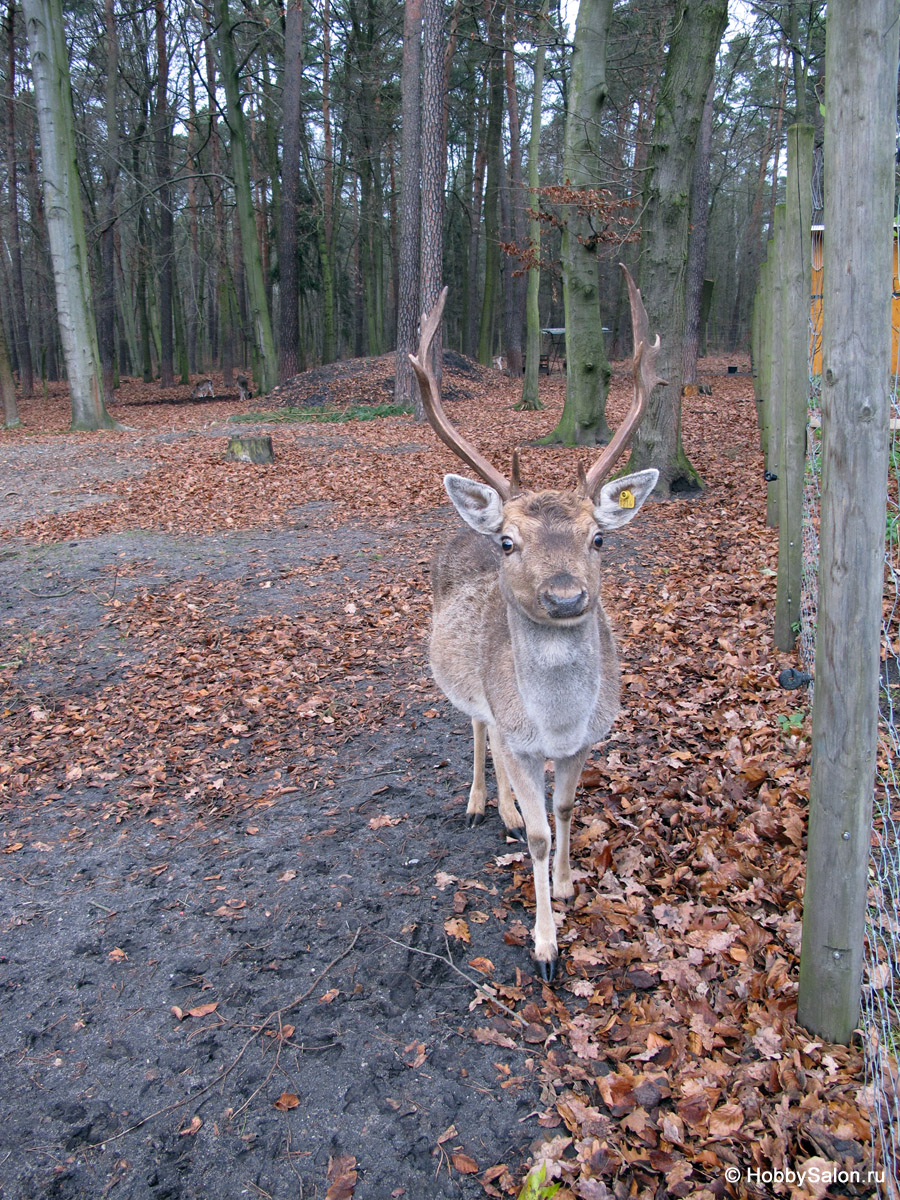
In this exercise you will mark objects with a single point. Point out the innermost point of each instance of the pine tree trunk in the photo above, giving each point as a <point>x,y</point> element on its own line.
<point>289,312</point>
<point>106,325</point>
<point>494,167</point>
<point>664,243</point>
<point>165,256</point>
<point>515,282</point>
<point>699,228</point>
<point>223,272</point>
<point>7,387</point>
<point>194,302</point>
<point>406,390</point>
<point>63,213</point>
<point>530,398</point>
<point>432,244</point>
<point>583,420</point>
<point>23,344</point>
<point>251,257</point>
<point>326,208</point>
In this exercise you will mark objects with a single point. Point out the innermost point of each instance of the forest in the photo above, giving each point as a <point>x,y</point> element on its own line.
<point>263,188</point>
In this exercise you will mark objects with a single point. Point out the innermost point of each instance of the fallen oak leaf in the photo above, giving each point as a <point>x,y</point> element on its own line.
<point>464,1164</point>
<point>341,1177</point>
<point>457,928</point>
<point>381,821</point>
<point>203,1010</point>
<point>420,1054</point>
<point>484,965</point>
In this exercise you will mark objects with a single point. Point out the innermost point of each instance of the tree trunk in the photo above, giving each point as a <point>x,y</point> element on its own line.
<point>251,257</point>
<point>326,220</point>
<point>289,311</point>
<point>406,390</point>
<point>106,325</point>
<point>530,398</point>
<point>224,288</point>
<point>62,208</point>
<point>432,244</point>
<point>688,72</point>
<point>23,344</point>
<point>494,169</point>
<point>699,228</point>
<point>194,301</point>
<point>583,420</point>
<point>165,255</point>
<point>7,387</point>
<point>514,289</point>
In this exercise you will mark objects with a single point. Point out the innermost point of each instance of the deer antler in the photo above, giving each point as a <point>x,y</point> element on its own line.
<point>434,409</point>
<point>645,380</point>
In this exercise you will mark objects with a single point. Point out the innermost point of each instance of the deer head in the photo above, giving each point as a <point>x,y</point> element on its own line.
<point>548,540</point>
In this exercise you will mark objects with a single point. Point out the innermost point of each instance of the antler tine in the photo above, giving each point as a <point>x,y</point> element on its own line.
<point>434,409</point>
<point>645,380</point>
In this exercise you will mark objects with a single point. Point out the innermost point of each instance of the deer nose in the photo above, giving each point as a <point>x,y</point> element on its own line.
<point>563,597</point>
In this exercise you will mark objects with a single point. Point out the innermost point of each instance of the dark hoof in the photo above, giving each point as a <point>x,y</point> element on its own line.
<point>474,819</point>
<point>548,970</point>
<point>518,834</point>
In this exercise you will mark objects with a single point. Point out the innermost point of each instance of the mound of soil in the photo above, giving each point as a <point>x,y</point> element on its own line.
<point>370,381</point>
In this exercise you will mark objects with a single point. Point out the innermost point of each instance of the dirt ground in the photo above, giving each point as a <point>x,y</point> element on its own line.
<point>244,930</point>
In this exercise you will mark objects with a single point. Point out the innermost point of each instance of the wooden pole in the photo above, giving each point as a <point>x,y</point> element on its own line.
<point>796,274</point>
<point>860,115</point>
<point>776,367</point>
<point>761,348</point>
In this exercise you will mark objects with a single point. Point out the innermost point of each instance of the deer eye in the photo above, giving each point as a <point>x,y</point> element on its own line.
<point>598,540</point>
<point>507,545</point>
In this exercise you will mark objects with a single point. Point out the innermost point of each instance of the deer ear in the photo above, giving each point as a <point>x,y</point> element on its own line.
<point>477,503</point>
<point>620,499</point>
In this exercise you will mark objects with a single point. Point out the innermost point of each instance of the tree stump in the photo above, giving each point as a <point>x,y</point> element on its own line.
<point>250,450</point>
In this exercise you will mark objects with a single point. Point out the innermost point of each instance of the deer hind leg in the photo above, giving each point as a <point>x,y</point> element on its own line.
<point>478,791</point>
<point>506,801</point>
<point>567,774</point>
<point>526,774</point>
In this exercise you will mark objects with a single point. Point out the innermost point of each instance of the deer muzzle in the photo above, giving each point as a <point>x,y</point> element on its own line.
<point>563,597</point>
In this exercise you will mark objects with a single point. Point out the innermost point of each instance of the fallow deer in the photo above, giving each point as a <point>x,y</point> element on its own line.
<point>520,641</point>
<point>203,388</point>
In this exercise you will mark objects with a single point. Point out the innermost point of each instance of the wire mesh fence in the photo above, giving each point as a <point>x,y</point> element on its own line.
<point>880,1016</point>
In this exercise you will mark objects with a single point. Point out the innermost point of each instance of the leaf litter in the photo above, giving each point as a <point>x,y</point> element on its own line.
<point>669,1050</point>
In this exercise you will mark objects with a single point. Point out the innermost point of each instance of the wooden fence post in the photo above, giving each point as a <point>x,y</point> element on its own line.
<point>776,367</point>
<point>796,273</point>
<point>860,123</point>
<point>760,349</point>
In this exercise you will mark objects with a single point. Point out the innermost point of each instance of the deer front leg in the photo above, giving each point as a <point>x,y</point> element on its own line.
<point>506,801</point>
<point>478,791</point>
<point>567,774</point>
<point>526,774</point>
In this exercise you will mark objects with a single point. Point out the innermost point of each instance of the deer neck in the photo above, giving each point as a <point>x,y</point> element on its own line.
<point>558,676</point>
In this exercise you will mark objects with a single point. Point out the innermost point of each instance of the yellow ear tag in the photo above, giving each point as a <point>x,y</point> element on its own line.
<point>626,499</point>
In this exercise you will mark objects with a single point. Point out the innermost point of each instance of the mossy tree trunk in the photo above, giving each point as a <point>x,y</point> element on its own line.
<point>583,420</point>
<point>530,399</point>
<point>696,36</point>
<point>252,260</point>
